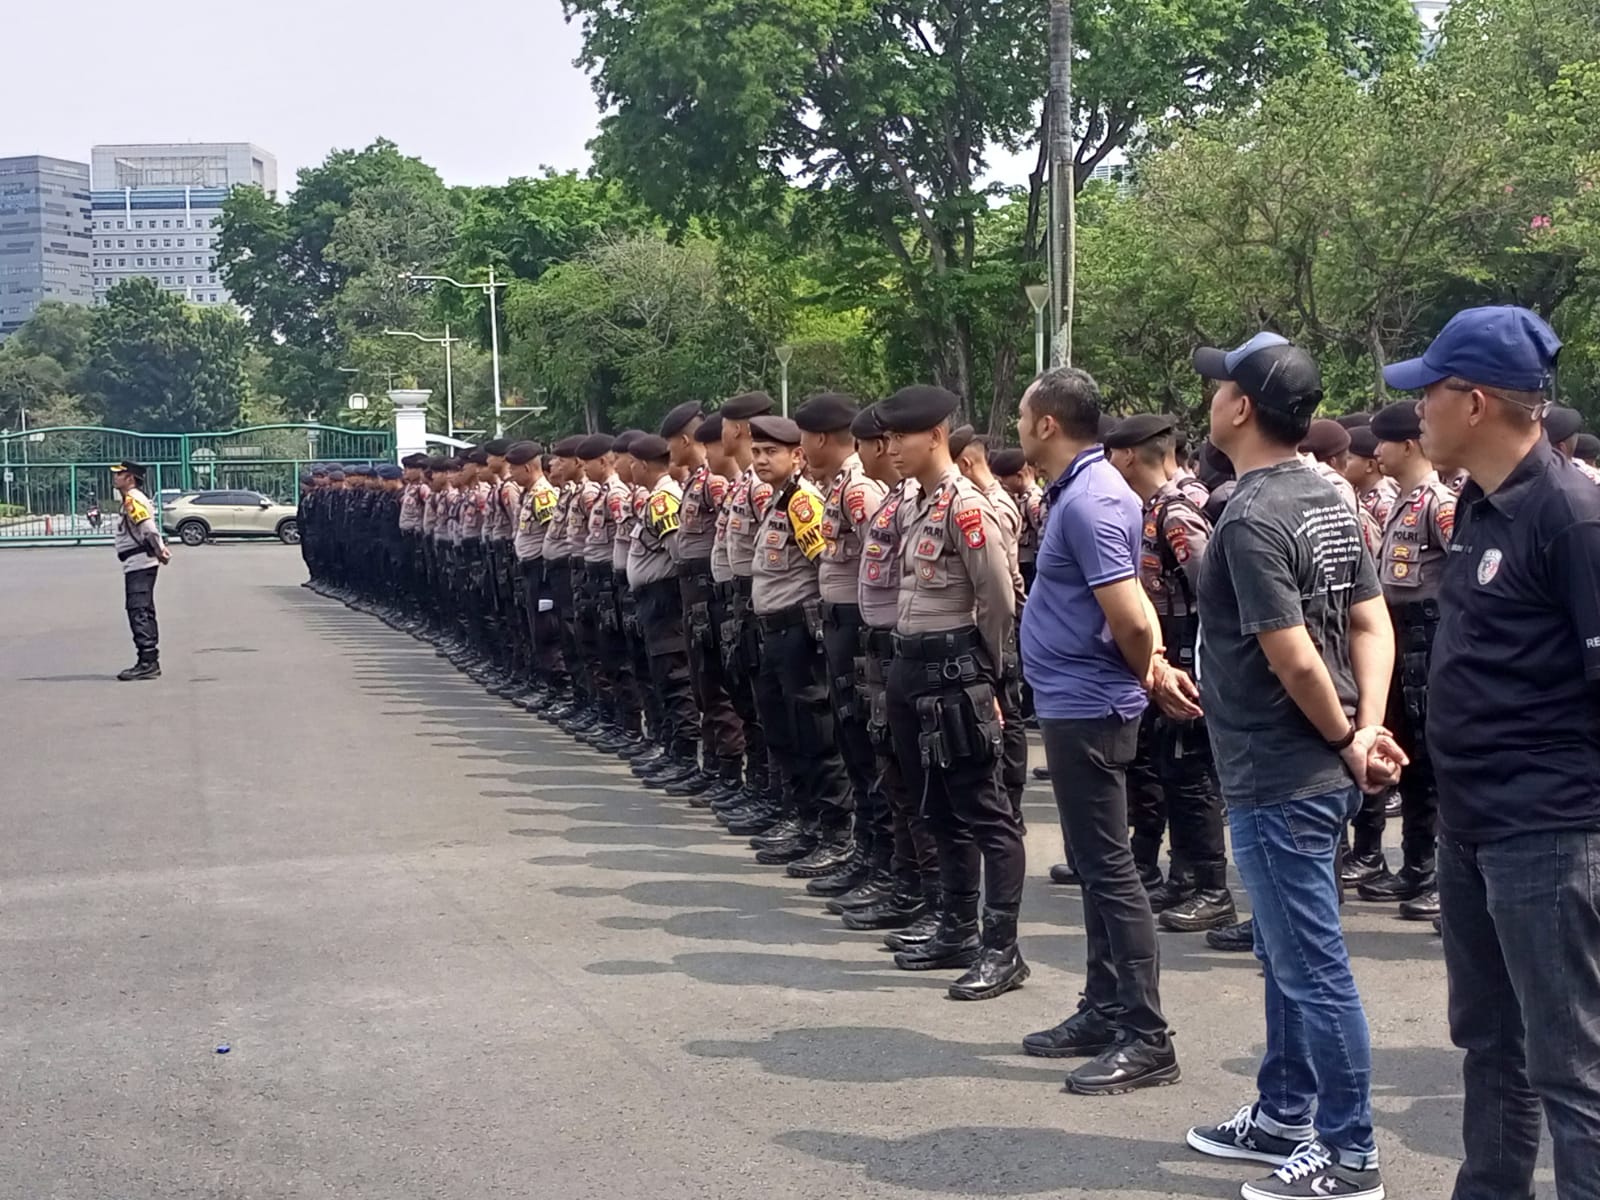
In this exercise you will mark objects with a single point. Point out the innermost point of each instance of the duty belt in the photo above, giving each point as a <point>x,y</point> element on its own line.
<point>1416,612</point>
<point>784,618</point>
<point>931,647</point>
<point>877,642</point>
<point>695,568</point>
<point>726,590</point>
<point>846,616</point>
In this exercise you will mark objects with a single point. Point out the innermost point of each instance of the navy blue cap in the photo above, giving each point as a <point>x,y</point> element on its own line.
<point>390,472</point>
<point>1499,346</point>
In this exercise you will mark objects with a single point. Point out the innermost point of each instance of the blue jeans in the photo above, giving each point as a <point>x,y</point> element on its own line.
<point>1318,1050</point>
<point>1522,954</point>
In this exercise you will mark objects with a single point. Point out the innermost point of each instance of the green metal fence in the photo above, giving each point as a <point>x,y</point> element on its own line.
<point>50,478</point>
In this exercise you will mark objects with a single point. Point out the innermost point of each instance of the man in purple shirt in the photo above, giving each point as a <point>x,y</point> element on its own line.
<point>1088,641</point>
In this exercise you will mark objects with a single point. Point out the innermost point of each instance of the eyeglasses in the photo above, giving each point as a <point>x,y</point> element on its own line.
<point>1539,409</point>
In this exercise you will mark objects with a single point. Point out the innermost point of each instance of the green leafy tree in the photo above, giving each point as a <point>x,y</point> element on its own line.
<point>289,265</point>
<point>157,364</point>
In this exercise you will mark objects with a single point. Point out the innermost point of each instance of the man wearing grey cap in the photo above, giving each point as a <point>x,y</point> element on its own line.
<point>1296,651</point>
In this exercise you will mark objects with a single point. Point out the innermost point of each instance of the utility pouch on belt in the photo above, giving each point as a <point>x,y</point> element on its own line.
<point>730,646</point>
<point>978,723</point>
<point>931,746</point>
<point>878,716</point>
<point>844,687</point>
<point>813,614</point>
<point>700,624</point>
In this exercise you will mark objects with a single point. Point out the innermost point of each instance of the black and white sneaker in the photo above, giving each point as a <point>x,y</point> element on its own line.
<point>1312,1173</point>
<point>1241,1137</point>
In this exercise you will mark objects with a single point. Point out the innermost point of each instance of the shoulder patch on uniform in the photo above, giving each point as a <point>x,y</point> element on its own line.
<point>855,503</point>
<point>970,522</point>
<point>138,511</point>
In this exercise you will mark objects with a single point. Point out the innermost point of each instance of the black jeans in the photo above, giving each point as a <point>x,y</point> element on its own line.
<point>1522,956</point>
<point>1088,762</point>
<point>139,593</point>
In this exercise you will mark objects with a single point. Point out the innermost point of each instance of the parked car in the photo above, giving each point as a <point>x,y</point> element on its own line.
<point>200,516</point>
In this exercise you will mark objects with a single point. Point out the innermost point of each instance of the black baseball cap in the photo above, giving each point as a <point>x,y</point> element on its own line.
<point>1270,369</point>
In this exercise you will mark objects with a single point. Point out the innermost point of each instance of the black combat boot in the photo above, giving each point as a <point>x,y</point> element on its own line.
<point>955,945</point>
<point>728,784</point>
<point>852,872</point>
<point>1410,881</point>
<point>1361,869</point>
<point>794,844</point>
<point>877,888</point>
<point>1208,906</point>
<point>1235,938</point>
<point>834,848</point>
<point>999,967</point>
<point>148,667</point>
<point>904,907</point>
<point>1177,887</point>
<point>1423,908</point>
<point>920,931</point>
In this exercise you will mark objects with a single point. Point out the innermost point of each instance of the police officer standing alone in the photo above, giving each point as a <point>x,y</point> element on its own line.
<point>142,553</point>
<point>955,625</point>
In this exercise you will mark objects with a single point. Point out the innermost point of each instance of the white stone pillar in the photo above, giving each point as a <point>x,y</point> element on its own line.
<point>410,420</point>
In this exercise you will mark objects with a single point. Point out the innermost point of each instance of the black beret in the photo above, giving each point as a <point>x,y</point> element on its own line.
<point>596,445</point>
<point>336,475</point>
<point>477,455</point>
<point>865,427</point>
<point>916,409</point>
<point>827,412</point>
<point>306,479</point>
<point>361,472</point>
<point>438,463</point>
<point>497,447</point>
<point>319,473</point>
<point>709,430</point>
<point>650,448</point>
<point>1397,422</point>
<point>1106,425</point>
<point>772,428</point>
<point>1138,429</point>
<point>672,424</point>
<point>1325,438</point>
<point>960,438</point>
<point>1562,422</point>
<point>743,407</point>
<point>621,443</point>
<point>519,453</point>
<point>1355,420</point>
<point>412,461</point>
<point>454,463</point>
<point>1007,461</point>
<point>1588,447</point>
<point>1363,442</point>
<point>390,471</point>
<point>567,447</point>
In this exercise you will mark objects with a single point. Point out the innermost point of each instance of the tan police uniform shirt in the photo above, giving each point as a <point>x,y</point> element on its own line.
<point>852,498</point>
<point>878,592</point>
<point>1010,515</point>
<point>1416,540</point>
<point>1171,547</point>
<point>747,504</point>
<point>702,506</point>
<point>788,545</point>
<point>534,514</point>
<point>955,568</point>
<point>649,555</point>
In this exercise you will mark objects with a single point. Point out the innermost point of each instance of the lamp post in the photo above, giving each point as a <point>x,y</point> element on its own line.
<point>488,289</point>
<point>1038,296</point>
<point>785,353</point>
<point>449,376</point>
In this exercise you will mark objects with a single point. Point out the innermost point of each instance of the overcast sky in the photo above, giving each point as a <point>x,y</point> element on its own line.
<point>481,89</point>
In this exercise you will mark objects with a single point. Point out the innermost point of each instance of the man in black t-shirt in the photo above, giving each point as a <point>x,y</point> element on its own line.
<point>1516,754</point>
<point>1295,655</point>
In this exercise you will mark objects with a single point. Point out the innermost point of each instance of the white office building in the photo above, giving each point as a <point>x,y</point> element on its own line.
<point>157,212</point>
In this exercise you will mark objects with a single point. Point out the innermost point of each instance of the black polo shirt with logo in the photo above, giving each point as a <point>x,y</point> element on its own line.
<point>1514,690</point>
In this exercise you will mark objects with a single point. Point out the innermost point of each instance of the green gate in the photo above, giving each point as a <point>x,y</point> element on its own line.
<point>49,478</point>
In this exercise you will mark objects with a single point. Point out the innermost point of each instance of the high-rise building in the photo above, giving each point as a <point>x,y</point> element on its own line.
<point>158,209</point>
<point>44,236</point>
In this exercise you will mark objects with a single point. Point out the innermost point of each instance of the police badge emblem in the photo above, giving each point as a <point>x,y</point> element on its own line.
<point>1488,566</point>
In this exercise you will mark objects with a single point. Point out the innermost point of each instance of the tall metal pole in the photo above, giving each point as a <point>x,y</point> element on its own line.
<point>1038,341</point>
<point>494,349</point>
<point>449,386</point>
<point>1063,274</point>
<point>783,387</point>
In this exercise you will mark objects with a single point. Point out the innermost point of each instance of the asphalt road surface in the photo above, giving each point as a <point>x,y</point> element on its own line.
<point>456,956</point>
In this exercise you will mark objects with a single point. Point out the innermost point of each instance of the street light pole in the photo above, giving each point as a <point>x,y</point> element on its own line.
<point>489,290</point>
<point>785,353</point>
<point>1038,296</point>
<point>449,373</point>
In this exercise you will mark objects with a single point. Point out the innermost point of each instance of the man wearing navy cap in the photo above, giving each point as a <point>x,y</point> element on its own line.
<point>1516,756</point>
<point>1295,658</point>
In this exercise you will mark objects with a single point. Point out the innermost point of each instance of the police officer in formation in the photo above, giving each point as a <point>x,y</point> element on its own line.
<point>809,627</point>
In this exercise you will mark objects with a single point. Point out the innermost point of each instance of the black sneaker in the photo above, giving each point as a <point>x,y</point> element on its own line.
<point>1240,938</point>
<point>1312,1173</point>
<point>1132,1063</point>
<point>1240,1137</point>
<point>1084,1034</point>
